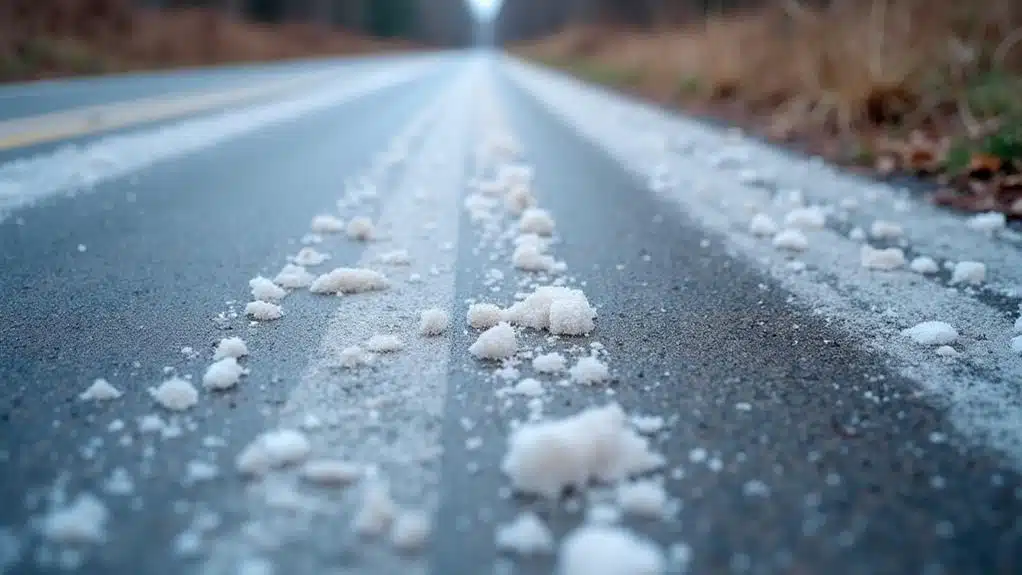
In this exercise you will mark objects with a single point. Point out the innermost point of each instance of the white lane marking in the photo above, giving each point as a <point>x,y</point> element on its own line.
<point>872,306</point>
<point>388,415</point>
<point>77,168</point>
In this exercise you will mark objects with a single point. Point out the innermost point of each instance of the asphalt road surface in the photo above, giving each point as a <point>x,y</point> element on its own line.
<point>801,430</point>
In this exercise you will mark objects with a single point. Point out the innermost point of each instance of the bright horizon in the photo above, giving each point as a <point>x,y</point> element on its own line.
<point>484,9</point>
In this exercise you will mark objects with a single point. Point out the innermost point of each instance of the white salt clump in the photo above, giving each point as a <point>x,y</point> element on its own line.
<point>360,228</point>
<point>175,394</point>
<point>1016,344</point>
<point>598,549</point>
<point>433,322</point>
<point>886,259</point>
<point>272,450</point>
<point>792,240</point>
<point>988,222</point>
<point>331,472</point>
<point>530,258</point>
<point>526,535</point>
<point>396,258</point>
<point>589,370</point>
<point>498,342</point>
<point>924,265</point>
<point>882,229</point>
<point>574,314</point>
<point>762,225</point>
<point>327,224</point>
<point>410,530</point>
<point>529,387</point>
<point>973,273</point>
<point>519,199</point>
<point>223,374</point>
<point>648,424</point>
<point>100,390</point>
<point>230,347</point>
<point>263,311</point>
<point>812,217</point>
<point>82,521</point>
<point>377,510</point>
<point>349,281</point>
<point>484,315</point>
<point>294,277</point>
<point>597,444</point>
<point>645,497</point>
<point>310,257</point>
<point>549,363</point>
<point>264,289</point>
<point>536,221</point>
<point>354,356</point>
<point>947,351</point>
<point>857,234</point>
<point>1018,324</point>
<point>385,343</point>
<point>932,333</point>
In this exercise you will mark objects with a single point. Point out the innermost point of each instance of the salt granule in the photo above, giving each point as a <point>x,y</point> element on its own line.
<point>762,225</point>
<point>396,258</point>
<point>528,387</point>
<point>857,234</point>
<point>484,315</point>
<point>535,310</point>
<point>882,229</point>
<point>264,289</point>
<point>498,342</point>
<point>644,497</point>
<point>792,240</point>
<point>932,333</point>
<point>354,356</point>
<point>924,265</point>
<point>331,472</point>
<point>294,277</point>
<point>1016,344</point>
<point>518,199</point>
<point>327,224</point>
<point>598,549</point>
<point>973,273</point>
<point>273,449</point>
<point>377,510</point>
<point>530,258</point>
<point>230,347</point>
<point>410,530</point>
<point>988,222</point>
<point>549,363</point>
<point>571,315</point>
<point>82,521</point>
<point>536,221</point>
<point>175,394</point>
<point>433,321</point>
<point>812,217</point>
<point>310,257</point>
<point>349,281</point>
<point>100,390</point>
<point>263,311</point>
<point>385,343</point>
<point>223,374</point>
<point>526,535</point>
<point>886,259</point>
<point>589,370</point>
<point>360,228</point>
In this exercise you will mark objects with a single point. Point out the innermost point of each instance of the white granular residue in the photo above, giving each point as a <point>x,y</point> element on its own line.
<point>263,311</point>
<point>327,224</point>
<point>947,351</point>
<point>648,424</point>
<point>791,240</point>
<point>273,449</point>
<point>575,315</point>
<point>924,265</point>
<point>528,387</point>
<point>857,234</point>
<point>377,509</point>
<point>308,256</point>
<point>882,229</point>
<point>589,370</point>
<point>354,356</point>
<point>572,315</point>
<point>644,497</point>
<point>349,281</point>
<point>973,273</point>
<point>175,394</point>
<point>1016,344</point>
<point>530,258</point>
<point>100,390</point>
<point>518,199</point>
<point>932,333</point>
<point>597,549</point>
<point>549,363</point>
<point>597,444</point>
<point>200,471</point>
<point>763,225</point>
<point>433,322</point>
<point>396,258</point>
<point>223,374</point>
<point>360,228</point>
<point>988,222</point>
<point>263,289</point>
<point>484,315</point>
<point>384,343</point>
<point>410,530</point>
<point>498,342</point>
<point>886,259</point>
<point>230,347</point>
<point>536,221</point>
<point>526,535</point>
<point>812,217</point>
<point>294,277</point>
<point>331,471</point>
<point>82,521</point>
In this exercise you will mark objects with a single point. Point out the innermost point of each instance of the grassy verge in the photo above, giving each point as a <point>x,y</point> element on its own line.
<point>928,87</point>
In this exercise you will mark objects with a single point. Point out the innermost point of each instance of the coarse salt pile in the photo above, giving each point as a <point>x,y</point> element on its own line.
<point>529,257</point>
<point>597,444</point>
<point>223,374</point>
<point>988,222</point>
<point>230,347</point>
<point>972,273</point>
<point>528,387</point>
<point>272,450</point>
<point>536,221</point>
<point>377,510</point>
<point>484,315</point>
<point>526,535</point>
<point>263,310</point>
<point>349,281</point>
<point>644,497</point>
<point>882,229</point>
<point>331,472</point>
<point>519,199</point>
<point>812,217</point>
<point>294,277</point>
<point>589,370</point>
<point>561,310</point>
<point>924,265</point>
<point>310,257</point>
<point>264,289</point>
<point>360,228</point>
<point>791,240</point>
<point>327,224</point>
<point>433,322</point>
<point>354,356</point>
<point>175,394</point>
<point>82,521</point>
<point>396,258</point>
<point>762,225</point>
<point>1016,344</point>
<point>100,390</point>
<point>410,530</point>
<point>549,363</point>
<point>498,342</point>
<point>385,343</point>
<point>932,333</point>
<point>599,549</point>
<point>886,259</point>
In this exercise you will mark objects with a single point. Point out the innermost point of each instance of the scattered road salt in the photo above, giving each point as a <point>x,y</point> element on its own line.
<point>331,472</point>
<point>884,230</point>
<point>924,265</point>
<point>100,390</point>
<point>354,356</point>
<point>484,315</point>
<point>396,258</point>
<point>574,315</point>
<point>988,222</point>
<point>536,221</point>
<point>230,347</point>
<point>360,228</point>
<point>528,387</point>
<point>273,449</point>
<point>1016,344</point>
<point>349,281</point>
<point>973,273</point>
<point>526,535</point>
<point>410,530</point>
<point>384,343</point>
<point>763,225</point>
<point>82,521</point>
<point>294,277</point>
<point>433,322</point>
<point>377,510</point>
<point>886,259</point>
<point>309,257</point>
<point>263,289</point>
<point>589,370</point>
<point>812,217</point>
<point>597,549</point>
<point>530,258</point>
<point>932,333</point>
<point>644,497</point>
<point>792,240</point>
<point>327,224</point>
<point>175,394</point>
<point>498,342</point>
<point>263,311</point>
<point>223,374</point>
<point>549,363</point>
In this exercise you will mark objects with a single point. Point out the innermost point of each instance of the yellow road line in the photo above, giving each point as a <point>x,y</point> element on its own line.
<point>61,125</point>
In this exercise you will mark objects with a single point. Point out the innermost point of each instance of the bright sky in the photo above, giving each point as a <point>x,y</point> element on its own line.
<point>485,8</point>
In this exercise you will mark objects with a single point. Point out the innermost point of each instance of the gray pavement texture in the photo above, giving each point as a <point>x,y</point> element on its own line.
<point>862,474</point>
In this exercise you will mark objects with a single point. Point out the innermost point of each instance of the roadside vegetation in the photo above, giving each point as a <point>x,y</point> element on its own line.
<point>924,87</point>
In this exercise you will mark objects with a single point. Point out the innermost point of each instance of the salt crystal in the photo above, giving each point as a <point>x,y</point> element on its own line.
<point>597,549</point>
<point>571,315</point>
<point>175,394</point>
<point>360,228</point>
<point>410,530</point>
<point>200,471</point>
<point>264,289</point>
<point>932,333</point>
<point>230,347</point>
<point>433,321</point>
<point>223,374</point>
<point>396,258</point>
<point>792,240</point>
<point>947,351</point>
<point>484,315</point>
<point>648,424</point>
<point>549,363</point>
<point>886,259</point>
<point>498,342</point>
<point>589,370</point>
<point>812,217</point>
<point>354,356</point>
<point>82,521</point>
<point>385,343</point>
<point>331,472</point>
<point>536,221</point>
<point>762,225</point>
<point>988,222</point>
<point>574,315</point>
<point>882,229</point>
<point>349,281</point>
<point>263,311</point>
<point>530,258</point>
<point>1016,344</point>
<point>100,390</point>
<point>327,224</point>
<point>310,257</point>
<point>273,449</point>
<point>526,535</point>
<point>645,497</point>
<point>973,273</point>
<point>377,509</point>
<point>518,199</point>
<point>857,234</point>
<point>294,277</point>
<point>529,387</point>
<point>924,265</point>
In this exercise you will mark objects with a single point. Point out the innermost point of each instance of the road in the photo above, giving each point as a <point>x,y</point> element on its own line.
<point>802,431</point>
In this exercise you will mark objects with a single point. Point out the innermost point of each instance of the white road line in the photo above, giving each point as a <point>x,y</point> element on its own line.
<point>872,306</point>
